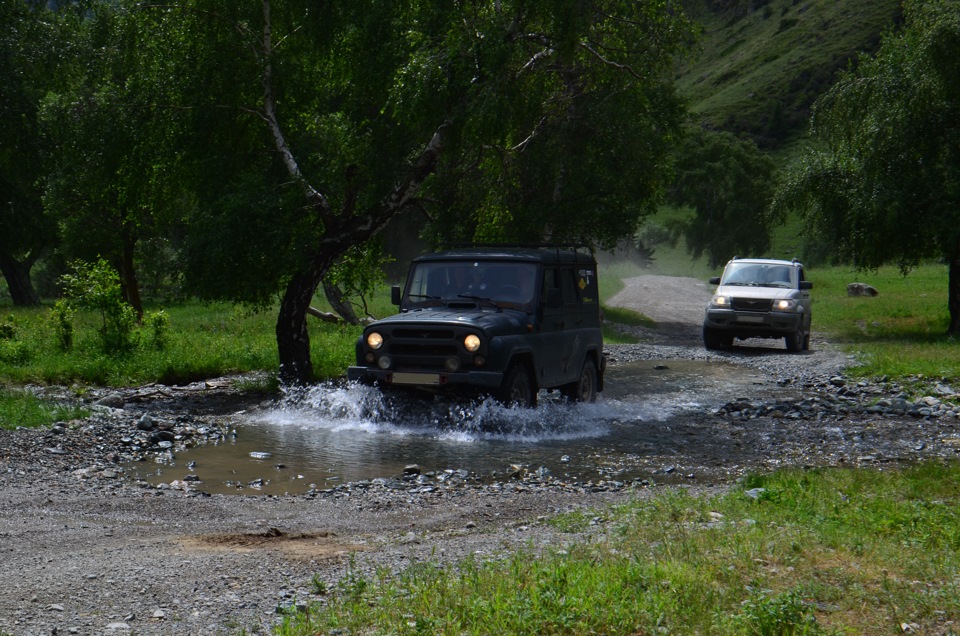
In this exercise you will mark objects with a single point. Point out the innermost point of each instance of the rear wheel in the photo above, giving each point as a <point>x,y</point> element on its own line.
<point>585,388</point>
<point>517,388</point>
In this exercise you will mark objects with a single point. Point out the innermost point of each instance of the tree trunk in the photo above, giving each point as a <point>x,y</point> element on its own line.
<point>339,303</point>
<point>293,340</point>
<point>341,230</point>
<point>953,287</point>
<point>128,275</point>
<point>17,275</point>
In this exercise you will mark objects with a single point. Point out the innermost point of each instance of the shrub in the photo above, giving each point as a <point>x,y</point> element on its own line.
<point>96,286</point>
<point>13,352</point>
<point>61,316</point>
<point>158,325</point>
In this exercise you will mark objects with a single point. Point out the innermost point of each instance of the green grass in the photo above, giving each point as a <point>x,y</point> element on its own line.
<point>204,340</point>
<point>20,408</point>
<point>612,276</point>
<point>901,332</point>
<point>760,73</point>
<point>819,552</point>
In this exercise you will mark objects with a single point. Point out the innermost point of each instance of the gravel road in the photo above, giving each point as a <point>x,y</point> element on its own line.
<point>86,550</point>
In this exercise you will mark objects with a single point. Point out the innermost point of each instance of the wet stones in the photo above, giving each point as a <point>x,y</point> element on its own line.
<point>836,397</point>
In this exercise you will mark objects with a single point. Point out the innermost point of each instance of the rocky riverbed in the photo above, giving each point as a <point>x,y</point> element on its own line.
<point>88,549</point>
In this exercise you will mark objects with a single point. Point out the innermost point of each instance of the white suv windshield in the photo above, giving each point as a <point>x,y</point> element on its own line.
<point>758,275</point>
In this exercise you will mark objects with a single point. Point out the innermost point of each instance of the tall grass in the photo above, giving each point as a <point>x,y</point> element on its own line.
<point>204,340</point>
<point>20,408</point>
<point>818,552</point>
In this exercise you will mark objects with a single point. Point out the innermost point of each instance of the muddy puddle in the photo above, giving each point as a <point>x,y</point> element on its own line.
<point>332,434</point>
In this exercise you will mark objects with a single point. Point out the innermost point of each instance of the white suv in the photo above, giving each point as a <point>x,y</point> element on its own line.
<point>759,298</point>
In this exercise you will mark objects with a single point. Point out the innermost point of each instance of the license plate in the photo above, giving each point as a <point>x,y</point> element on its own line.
<point>751,319</point>
<point>416,378</point>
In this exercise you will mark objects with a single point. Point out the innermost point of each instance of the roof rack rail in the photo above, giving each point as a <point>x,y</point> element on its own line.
<point>532,245</point>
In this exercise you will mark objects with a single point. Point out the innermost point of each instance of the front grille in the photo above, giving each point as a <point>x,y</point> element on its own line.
<point>751,304</point>
<point>423,348</point>
<point>423,333</point>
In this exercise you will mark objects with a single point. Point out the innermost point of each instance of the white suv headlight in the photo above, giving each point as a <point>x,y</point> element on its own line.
<point>784,305</point>
<point>720,301</point>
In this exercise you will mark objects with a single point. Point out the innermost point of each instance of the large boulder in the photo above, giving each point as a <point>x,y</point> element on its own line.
<point>861,289</point>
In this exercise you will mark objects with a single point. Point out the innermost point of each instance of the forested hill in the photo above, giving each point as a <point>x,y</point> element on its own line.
<point>762,63</point>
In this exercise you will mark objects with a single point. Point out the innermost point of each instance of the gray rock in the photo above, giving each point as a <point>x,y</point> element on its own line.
<point>113,401</point>
<point>861,289</point>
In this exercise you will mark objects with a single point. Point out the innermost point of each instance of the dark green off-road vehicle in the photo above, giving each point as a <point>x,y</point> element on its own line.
<point>503,320</point>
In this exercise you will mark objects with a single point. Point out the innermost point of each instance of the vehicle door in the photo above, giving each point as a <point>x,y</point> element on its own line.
<point>560,356</point>
<point>805,295</point>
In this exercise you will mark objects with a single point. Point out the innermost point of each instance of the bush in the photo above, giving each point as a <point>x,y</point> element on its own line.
<point>158,325</point>
<point>96,286</point>
<point>61,316</point>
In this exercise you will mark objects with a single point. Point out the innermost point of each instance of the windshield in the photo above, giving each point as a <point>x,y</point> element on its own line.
<point>499,283</point>
<point>758,275</point>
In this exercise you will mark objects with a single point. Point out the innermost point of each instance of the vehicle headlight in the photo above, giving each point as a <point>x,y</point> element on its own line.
<point>720,301</point>
<point>471,343</point>
<point>374,340</point>
<point>784,305</point>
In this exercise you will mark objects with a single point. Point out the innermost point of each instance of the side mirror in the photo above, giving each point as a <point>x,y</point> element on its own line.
<point>714,281</point>
<point>805,284</point>
<point>395,295</point>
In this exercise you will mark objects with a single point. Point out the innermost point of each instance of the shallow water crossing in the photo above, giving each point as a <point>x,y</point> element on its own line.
<point>333,434</point>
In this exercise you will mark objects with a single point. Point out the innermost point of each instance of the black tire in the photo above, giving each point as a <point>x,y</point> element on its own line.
<point>806,341</point>
<point>585,388</point>
<point>794,341</point>
<point>713,340</point>
<point>517,388</point>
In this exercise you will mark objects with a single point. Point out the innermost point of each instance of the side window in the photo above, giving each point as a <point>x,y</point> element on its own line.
<point>551,287</point>
<point>568,285</point>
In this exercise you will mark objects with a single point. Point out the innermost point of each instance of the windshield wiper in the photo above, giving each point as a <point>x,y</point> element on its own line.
<point>490,302</point>
<point>427,296</point>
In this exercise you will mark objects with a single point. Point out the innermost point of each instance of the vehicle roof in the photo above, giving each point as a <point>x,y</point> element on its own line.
<point>766,261</point>
<point>539,253</point>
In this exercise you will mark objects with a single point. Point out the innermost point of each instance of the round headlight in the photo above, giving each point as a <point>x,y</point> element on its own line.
<point>720,301</point>
<point>374,340</point>
<point>384,362</point>
<point>472,343</point>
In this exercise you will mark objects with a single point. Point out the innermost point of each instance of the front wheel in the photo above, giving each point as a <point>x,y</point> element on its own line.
<point>714,340</point>
<point>585,388</point>
<point>517,388</point>
<point>794,341</point>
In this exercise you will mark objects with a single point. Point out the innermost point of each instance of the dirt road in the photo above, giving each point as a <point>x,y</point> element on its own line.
<point>84,550</point>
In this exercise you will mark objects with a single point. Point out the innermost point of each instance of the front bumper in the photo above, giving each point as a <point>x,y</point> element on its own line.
<point>430,380</point>
<point>751,324</point>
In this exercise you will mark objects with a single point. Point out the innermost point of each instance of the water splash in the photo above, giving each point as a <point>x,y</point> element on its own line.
<point>341,407</point>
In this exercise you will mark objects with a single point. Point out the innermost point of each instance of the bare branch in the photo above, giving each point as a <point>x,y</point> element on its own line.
<point>611,63</point>
<point>269,115</point>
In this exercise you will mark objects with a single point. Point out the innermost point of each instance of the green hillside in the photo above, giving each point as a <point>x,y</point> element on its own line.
<point>762,63</point>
